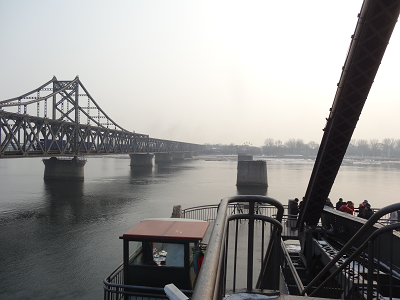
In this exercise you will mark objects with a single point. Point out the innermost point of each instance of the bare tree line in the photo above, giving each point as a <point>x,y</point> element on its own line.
<point>387,148</point>
<point>373,148</point>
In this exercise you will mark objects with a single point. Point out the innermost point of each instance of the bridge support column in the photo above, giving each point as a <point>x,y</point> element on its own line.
<point>244,156</point>
<point>252,173</point>
<point>163,157</point>
<point>188,154</point>
<point>178,156</point>
<point>141,159</point>
<point>61,169</point>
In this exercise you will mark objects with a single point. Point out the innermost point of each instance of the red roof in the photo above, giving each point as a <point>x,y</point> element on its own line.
<point>178,229</point>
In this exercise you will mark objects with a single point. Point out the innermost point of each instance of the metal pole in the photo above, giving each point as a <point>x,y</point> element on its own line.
<point>250,245</point>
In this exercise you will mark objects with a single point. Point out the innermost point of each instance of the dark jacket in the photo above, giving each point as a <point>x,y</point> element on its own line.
<point>293,209</point>
<point>367,214</point>
<point>339,204</point>
<point>329,204</point>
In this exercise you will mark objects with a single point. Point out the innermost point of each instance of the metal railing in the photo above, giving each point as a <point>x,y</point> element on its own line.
<point>114,288</point>
<point>365,274</point>
<point>213,281</point>
<point>209,213</point>
<point>369,271</point>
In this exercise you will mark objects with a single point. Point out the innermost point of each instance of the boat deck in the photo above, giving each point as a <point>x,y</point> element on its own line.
<point>289,235</point>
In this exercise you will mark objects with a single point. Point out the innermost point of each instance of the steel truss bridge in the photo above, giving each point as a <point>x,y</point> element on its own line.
<point>61,118</point>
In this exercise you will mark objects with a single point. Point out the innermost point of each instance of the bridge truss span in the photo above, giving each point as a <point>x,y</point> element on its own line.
<point>26,128</point>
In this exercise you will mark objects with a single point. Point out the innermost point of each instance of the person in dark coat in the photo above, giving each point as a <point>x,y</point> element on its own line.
<point>301,204</point>
<point>328,203</point>
<point>293,212</point>
<point>339,203</point>
<point>361,208</point>
<point>367,212</point>
<point>294,208</point>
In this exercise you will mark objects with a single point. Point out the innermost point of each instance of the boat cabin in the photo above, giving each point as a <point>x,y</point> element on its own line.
<point>158,252</point>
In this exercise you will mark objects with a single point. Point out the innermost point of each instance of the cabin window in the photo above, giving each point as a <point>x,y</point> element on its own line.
<point>169,254</point>
<point>135,253</point>
<point>156,254</point>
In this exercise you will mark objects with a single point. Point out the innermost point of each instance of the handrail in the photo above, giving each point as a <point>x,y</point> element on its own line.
<point>193,209</point>
<point>206,280</point>
<point>207,285</point>
<point>372,237</point>
<point>369,224</point>
<point>292,268</point>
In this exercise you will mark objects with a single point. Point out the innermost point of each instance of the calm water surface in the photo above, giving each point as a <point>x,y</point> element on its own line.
<point>60,239</point>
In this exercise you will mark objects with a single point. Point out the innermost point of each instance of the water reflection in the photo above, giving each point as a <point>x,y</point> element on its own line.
<point>64,200</point>
<point>141,171</point>
<point>170,168</point>
<point>252,190</point>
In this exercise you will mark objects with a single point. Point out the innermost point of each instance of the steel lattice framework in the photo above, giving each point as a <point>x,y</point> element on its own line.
<point>371,37</point>
<point>77,126</point>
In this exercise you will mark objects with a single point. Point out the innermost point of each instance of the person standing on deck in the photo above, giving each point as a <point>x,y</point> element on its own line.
<point>328,203</point>
<point>301,204</point>
<point>293,212</point>
<point>361,209</point>
<point>367,212</point>
<point>339,203</point>
<point>348,208</point>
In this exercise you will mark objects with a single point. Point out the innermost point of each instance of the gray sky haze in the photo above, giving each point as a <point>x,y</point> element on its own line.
<point>199,71</point>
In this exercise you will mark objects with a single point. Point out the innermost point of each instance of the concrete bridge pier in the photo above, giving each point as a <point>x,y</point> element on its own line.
<point>188,154</point>
<point>163,157</point>
<point>244,156</point>
<point>64,169</point>
<point>178,156</point>
<point>252,173</point>
<point>141,159</point>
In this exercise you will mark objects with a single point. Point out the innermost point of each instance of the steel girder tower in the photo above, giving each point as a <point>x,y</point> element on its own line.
<point>369,41</point>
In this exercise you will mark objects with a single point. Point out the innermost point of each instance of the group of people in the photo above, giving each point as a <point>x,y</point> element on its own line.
<point>364,209</point>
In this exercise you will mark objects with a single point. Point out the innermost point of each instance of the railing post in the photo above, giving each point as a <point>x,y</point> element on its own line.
<point>277,259</point>
<point>370,275</point>
<point>250,246</point>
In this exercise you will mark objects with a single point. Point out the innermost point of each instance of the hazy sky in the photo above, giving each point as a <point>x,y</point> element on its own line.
<point>199,71</point>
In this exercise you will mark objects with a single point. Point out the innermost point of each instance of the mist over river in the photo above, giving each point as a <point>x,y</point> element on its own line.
<point>61,239</point>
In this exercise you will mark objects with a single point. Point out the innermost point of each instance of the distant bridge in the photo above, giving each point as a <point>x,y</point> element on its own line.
<point>61,118</point>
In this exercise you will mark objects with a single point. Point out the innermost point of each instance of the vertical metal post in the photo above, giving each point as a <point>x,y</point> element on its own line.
<point>25,136</point>
<point>54,101</point>
<point>38,104</point>
<point>370,275</point>
<point>76,103</point>
<point>126,261</point>
<point>262,242</point>
<point>225,263</point>
<point>391,266</point>
<point>235,256</point>
<point>19,136</point>
<point>76,117</point>
<point>250,244</point>
<point>277,261</point>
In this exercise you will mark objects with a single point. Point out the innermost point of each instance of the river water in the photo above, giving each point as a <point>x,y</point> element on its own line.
<point>60,239</point>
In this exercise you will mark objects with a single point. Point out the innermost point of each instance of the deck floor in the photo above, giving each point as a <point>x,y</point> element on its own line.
<point>242,246</point>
